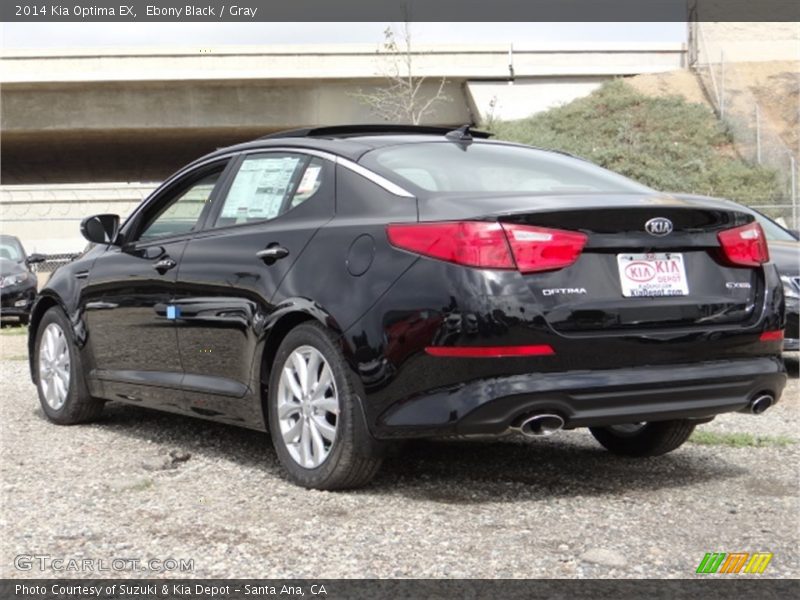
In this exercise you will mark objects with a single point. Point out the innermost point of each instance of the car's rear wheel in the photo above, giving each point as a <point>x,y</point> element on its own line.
<point>644,439</point>
<point>59,373</point>
<point>315,417</point>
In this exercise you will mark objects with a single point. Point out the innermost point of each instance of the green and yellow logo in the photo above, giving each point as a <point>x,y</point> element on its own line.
<point>734,562</point>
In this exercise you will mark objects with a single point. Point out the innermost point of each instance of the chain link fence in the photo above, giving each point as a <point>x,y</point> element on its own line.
<point>52,261</point>
<point>755,138</point>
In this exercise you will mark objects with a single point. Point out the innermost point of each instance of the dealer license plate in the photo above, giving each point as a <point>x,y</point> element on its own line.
<point>661,274</point>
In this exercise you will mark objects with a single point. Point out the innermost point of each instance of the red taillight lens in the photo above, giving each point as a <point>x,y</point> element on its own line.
<point>772,336</point>
<point>490,351</point>
<point>542,249</point>
<point>744,246</point>
<point>491,245</point>
<point>471,243</point>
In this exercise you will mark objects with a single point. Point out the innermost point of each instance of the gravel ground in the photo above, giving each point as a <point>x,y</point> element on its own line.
<point>145,485</point>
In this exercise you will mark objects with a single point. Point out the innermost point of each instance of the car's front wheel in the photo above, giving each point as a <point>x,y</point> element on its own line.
<point>59,374</point>
<point>315,418</point>
<point>644,439</point>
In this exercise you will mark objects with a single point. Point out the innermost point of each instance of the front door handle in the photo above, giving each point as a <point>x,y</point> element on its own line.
<point>164,265</point>
<point>272,253</point>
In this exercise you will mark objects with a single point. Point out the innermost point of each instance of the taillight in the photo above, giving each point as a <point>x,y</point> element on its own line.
<point>744,246</point>
<point>471,243</point>
<point>542,249</point>
<point>491,245</point>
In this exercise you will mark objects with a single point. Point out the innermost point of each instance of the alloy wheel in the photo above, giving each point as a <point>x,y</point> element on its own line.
<point>308,407</point>
<point>54,366</point>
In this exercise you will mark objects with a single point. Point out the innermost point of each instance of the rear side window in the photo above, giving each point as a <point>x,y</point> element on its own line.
<point>268,185</point>
<point>482,167</point>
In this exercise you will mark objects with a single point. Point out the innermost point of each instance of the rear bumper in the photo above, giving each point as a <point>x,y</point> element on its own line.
<point>587,398</point>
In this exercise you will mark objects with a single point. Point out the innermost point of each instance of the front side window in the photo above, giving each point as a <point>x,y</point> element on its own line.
<point>181,214</point>
<point>268,185</point>
<point>485,167</point>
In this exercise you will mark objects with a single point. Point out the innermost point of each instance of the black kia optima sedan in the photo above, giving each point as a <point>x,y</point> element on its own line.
<point>348,287</point>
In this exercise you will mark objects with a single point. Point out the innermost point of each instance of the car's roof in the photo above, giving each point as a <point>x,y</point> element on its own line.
<point>350,142</point>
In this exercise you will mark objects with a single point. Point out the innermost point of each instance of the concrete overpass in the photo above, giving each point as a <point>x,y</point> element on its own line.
<point>137,114</point>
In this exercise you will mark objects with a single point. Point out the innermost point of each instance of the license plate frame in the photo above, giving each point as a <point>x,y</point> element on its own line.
<point>652,275</point>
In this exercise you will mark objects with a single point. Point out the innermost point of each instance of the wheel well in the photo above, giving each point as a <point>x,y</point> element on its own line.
<point>42,306</point>
<point>276,335</point>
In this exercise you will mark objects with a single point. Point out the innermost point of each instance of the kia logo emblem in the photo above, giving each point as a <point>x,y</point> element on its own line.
<point>658,226</point>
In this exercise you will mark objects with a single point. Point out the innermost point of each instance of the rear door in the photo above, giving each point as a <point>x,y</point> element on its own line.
<point>274,203</point>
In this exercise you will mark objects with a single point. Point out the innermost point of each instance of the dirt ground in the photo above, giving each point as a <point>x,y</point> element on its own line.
<point>149,486</point>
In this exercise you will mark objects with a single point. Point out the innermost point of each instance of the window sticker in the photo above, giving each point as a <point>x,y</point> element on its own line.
<point>259,188</point>
<point>310,178</point>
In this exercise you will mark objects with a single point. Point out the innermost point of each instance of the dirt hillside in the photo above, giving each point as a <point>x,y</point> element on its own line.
<point>775,84</point>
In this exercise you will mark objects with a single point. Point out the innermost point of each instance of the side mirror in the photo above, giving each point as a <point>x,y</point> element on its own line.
<point>35,258</point>
<point>100,229</point>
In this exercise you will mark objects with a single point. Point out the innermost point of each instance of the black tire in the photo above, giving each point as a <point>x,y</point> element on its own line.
<point>652,439</point>
<point>79,406</point>
<point>354,457</point>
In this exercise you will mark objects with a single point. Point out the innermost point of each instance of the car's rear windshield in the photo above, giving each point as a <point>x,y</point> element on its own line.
<point>487,167</point>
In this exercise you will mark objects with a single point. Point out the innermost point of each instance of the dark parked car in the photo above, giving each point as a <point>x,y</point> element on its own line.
<point>348,287</point>
<point>784,251</point>
<point>17,281</point>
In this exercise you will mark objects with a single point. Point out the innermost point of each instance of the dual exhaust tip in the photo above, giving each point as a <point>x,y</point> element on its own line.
<point>540,425</point>
<point>548,424</point>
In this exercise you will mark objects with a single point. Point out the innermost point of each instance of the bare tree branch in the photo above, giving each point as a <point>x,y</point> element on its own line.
<point>402,97</point>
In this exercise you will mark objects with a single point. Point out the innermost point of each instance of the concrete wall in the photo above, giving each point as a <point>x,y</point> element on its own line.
<point>47,217</point>
<point>132,115</point>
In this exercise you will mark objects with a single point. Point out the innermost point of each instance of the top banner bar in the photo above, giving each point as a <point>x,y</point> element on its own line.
<point>175,11</point>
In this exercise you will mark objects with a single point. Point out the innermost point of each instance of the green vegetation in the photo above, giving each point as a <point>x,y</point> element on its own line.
<point>14,331</point>
<point>666,143</point>
<point>739,440</point>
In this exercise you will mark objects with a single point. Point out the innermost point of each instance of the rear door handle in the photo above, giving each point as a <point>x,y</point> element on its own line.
<point>164,265</point>
<point>273,253</point>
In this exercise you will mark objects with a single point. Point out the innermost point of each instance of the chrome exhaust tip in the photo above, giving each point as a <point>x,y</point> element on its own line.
<point>541,425</point>
<point>761,403</point>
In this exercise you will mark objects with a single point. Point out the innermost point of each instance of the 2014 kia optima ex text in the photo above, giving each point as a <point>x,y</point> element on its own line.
<point>347,287</point>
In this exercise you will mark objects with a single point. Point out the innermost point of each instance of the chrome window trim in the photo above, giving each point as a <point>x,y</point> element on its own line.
<point>379,180</point>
